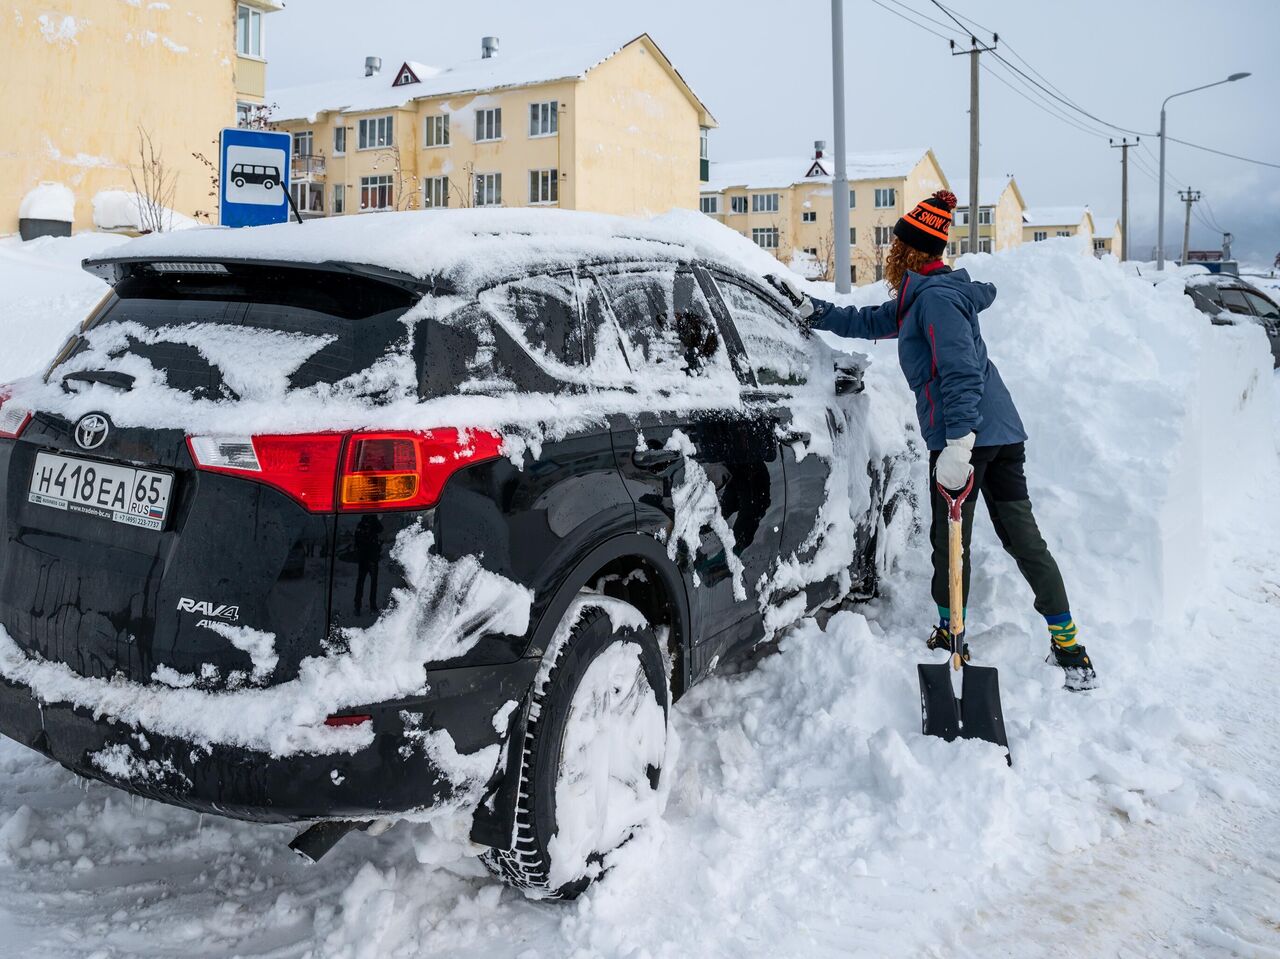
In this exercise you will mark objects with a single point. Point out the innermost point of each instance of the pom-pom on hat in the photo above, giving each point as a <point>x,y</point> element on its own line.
<point>927,228</point>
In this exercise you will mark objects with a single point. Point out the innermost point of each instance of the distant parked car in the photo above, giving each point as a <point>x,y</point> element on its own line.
<point>1226,297</point>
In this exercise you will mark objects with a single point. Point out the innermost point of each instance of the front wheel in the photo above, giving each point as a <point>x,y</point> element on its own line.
<point>239,181</point>
<point>593,752</point>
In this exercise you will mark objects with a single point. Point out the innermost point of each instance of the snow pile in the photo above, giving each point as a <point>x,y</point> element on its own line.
<point>48,201</point>
<point>123,211</point>
<point>444,610</point>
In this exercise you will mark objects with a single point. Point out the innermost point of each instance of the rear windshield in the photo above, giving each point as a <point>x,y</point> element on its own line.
<point>253,331</point>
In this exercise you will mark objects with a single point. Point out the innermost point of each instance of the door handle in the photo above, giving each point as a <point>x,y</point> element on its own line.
<point>655,461</point>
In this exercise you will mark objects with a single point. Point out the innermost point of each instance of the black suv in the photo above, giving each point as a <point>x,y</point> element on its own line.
<point>1224,297</point>
<point>550,498</point>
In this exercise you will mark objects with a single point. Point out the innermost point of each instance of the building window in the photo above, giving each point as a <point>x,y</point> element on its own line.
<point>1064,233</point>
<point>248,31</point>
<point>308,197</point>
<point>764,202</point>
<point>1099,246</point>
<point>811,250</point>
<point>436,131</point>
<point>376,132</point>
<point>303,143</point>
<point>339,141</point>
<point>886,197</point>
<point>853,200</point>
<point>244,114</point>
<point>984,244</point>
<point>376,193</point>
<point>984,216</point>
<point>488,190</point>
<point>809,216</point>
<point>489,124</point>
<point>709,205</point>
<point>853,236</point>
<point>339,198</point>
<point>435,192</point>
<point>737,204</point>
<point>544,186</point>
<point>962,217</point>
<point>544,119</point>
<point>765,237</point>
<point>951,248</point>
<point>879,272</point>
<point>1039,235</point>
<point>853,273</point>
<point>884,236</point>
<point>704,149</point>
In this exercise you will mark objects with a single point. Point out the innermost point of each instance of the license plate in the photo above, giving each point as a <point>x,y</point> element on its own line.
<point>122,494</point>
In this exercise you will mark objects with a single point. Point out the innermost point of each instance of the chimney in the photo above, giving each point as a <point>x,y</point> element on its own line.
<point>488,47</point>
<point>819,148</point>
<point>372,65</point>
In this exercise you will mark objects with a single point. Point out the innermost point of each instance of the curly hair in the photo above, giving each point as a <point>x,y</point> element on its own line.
<point>902,258</point>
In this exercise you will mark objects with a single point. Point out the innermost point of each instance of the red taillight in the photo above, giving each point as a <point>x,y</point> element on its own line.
<point>380,471</point>
<point>354,719</point>
<point>13,417</point>
<point>408,470</point>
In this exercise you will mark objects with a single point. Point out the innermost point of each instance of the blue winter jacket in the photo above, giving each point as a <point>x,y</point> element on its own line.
<point>935,319</point>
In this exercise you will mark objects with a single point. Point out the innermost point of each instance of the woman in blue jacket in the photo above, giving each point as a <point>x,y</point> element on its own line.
<point>966,414</point>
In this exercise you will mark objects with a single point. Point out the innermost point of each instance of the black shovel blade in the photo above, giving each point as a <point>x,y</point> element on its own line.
<point>981,716</point>
<point>940,710</point>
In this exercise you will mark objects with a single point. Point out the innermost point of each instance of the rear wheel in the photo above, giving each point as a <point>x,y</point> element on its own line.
<point>593,752</point>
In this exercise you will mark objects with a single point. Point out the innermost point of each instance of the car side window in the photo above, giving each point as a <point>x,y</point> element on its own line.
<point>667,324</point>
<point>775,348</point>
<point>1263,307</point>
<point>543,312</point>
<point>1234,301</point>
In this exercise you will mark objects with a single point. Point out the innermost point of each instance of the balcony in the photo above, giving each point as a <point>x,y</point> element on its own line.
<point>307,166</point>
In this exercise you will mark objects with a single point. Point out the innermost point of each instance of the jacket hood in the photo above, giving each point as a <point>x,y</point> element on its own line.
<point>978,294</point>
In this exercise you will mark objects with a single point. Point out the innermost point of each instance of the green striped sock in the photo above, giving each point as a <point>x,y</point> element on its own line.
<point>1062,630</point>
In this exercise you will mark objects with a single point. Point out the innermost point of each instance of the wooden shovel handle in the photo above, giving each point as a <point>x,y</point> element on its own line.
<point>955,560</point>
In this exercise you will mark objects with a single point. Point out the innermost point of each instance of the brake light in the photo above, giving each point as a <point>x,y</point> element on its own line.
<point>349,719</point>
<point>301,465</point>
<point>13,417</point>
<point>408,470</point>
<point>351,472</point>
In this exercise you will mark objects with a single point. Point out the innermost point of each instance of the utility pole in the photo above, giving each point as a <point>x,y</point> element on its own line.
<point>840,181</point>
<point>1187,196</point>
<point>973,53</point>
<point>1123,146</point>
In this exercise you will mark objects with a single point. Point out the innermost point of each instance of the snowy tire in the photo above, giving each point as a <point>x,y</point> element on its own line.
<point>593,752</point>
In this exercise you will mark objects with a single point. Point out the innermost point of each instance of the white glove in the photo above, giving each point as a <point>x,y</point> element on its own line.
<point>799,299</point>
<point>953,469</point>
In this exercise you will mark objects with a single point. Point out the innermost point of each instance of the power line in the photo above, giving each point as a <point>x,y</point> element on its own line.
<point>1043,107</point>
<point>965,34</point>
<point>1222,153</point>
<point>909,20</point>
<point>951,16</point>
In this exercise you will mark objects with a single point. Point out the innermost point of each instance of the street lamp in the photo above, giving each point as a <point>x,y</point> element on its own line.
<point>1160,225</point>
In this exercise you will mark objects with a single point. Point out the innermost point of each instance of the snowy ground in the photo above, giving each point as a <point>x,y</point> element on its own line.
<point>810,817</point>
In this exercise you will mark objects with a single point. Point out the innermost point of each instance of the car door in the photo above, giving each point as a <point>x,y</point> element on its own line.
<point>800,388</point>
<point>704,472</point>
<point>1269,316</point>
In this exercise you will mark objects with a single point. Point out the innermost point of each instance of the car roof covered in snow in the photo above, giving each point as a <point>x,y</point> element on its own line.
<point>469,249</point>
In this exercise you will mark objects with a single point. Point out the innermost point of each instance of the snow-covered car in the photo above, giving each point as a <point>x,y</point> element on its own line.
<point>418,514</point>
<point>1228,299</point>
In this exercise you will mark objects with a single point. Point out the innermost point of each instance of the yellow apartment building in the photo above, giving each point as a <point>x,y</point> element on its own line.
<point>611,128</point>
<point>1000,212</point>
<point>1048,222</point>
<point>785,204</point>
<point>83,77</point>
<point>1107,235</point>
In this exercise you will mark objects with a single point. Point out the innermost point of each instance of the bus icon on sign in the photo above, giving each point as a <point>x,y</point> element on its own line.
<point>265,176</point>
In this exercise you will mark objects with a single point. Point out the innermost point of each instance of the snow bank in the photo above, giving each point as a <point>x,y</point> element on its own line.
<point>122,211</point>
<point>48,201</point>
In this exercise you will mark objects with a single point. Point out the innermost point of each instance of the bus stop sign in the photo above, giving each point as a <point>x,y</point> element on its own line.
<point>253,178</point>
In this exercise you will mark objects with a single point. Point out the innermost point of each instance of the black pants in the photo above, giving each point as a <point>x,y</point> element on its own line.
<point>998,473</point>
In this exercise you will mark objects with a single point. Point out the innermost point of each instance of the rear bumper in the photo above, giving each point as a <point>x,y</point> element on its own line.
<point>393,774</point>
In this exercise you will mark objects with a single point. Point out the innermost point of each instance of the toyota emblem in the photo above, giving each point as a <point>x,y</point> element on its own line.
<point>92,430</point>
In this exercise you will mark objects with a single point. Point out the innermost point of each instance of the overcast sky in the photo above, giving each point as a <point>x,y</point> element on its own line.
<point>763,68</point>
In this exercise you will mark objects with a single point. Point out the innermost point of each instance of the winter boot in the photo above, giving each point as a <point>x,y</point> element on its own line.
<point>1075,663</point>
<point>940,638</point>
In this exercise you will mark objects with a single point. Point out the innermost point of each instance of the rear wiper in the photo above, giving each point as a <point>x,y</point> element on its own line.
<point>112,378</point>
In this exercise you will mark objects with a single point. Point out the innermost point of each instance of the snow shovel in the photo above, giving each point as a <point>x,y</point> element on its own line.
<point>976,713</point>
